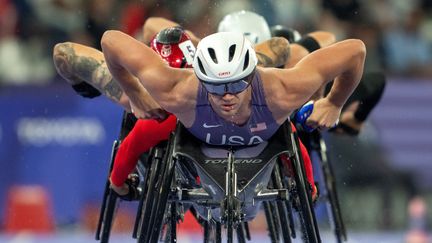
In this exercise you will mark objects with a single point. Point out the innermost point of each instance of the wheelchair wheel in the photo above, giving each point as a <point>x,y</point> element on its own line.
<point>332,198</point>
<point>245,227</point>
<point>212,231</point>
<point>304,204</point>
<point>285,181</point>
<point>281,210</point>
<point>144,172</point>
<point>149,201</point>
<point>171,223</point>
<point>276,218</point>
<point>163,187</point>
<point>268,210</point>
<point>109,203</point>
<point>241,234</point>
<point>291,219</point>
<point>207,231</point>
<point>317,143</point>
<point>218,232</point>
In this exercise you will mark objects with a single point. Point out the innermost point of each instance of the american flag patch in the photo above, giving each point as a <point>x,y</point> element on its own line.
<point>258,127</point>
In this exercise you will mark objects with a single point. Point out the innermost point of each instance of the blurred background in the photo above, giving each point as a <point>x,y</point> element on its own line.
<point>55,145</point>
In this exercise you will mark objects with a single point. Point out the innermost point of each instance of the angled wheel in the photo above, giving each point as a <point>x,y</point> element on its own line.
<point>144,173</point>
<point>333,206</point>
<point>282,211</point>
<point>163,187</point>
<point>171,223</point>
<point>241,234</point>
<point>149,201</point>
<point>305,207</point>
<point>109,204</point>
<point>268,210</point>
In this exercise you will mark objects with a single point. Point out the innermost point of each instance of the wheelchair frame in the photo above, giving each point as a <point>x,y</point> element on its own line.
<point>169,189</point>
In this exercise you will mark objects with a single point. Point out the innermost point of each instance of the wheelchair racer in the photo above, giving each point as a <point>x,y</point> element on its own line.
<point>84,67</point>
<point>148,133</point>
<point>364,98</point>
<point>227,99</point>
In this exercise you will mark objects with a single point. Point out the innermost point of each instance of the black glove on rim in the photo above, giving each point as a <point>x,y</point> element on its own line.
<point>86,90</point>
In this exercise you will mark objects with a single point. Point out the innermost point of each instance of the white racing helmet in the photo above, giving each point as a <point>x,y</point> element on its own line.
<point>252,25</point>
<point>225,58</point>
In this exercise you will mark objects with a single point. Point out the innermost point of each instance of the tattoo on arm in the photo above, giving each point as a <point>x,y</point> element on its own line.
<point>102,79</point>
<point>113,89</point>
<point>62,60</point>
<point>264,60</point>
<point>279,49</point>
<point>77,69</point>
<point>274,53</point>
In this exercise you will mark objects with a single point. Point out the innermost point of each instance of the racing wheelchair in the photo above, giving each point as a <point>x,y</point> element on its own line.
<point>234,182</point>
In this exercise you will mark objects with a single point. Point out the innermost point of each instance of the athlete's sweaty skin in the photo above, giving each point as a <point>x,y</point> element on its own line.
<point>286,89</point>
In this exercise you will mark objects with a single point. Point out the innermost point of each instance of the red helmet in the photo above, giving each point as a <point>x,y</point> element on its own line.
<point>174,46</point>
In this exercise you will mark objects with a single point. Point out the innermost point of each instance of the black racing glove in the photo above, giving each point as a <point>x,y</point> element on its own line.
<point>291,35</point>
<point>86,90</point>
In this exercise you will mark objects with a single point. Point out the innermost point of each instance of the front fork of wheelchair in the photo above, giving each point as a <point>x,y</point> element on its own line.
<point>231,205</point>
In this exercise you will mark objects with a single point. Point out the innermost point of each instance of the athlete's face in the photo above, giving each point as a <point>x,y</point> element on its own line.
<point>229,104</point>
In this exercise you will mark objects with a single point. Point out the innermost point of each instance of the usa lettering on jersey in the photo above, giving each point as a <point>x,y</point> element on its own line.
<point>233,140</point>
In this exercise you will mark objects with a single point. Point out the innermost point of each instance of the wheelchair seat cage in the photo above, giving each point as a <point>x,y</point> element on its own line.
<point>221,186</point>
<point>251,174</point>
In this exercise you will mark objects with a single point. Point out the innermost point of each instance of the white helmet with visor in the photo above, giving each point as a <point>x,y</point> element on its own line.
<point>225,62</point>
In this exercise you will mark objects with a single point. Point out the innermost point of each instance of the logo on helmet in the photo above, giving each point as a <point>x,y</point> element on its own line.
<point>224,74</point>
<point>166,50</point>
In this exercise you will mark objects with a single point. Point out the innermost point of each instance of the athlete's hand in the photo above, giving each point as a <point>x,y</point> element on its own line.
<point>148,110</point>
<point>129,189</point>
<point>325,115</point>
<point>302,115</point>
<point>122,190</point>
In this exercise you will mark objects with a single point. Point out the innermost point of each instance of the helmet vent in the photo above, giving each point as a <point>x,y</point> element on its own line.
<point>212,55</point>
<point>246,61</point>
<point>201,66</point>
<point>231,52</point>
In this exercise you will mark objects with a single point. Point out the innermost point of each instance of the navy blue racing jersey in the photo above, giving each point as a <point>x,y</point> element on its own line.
<point>209,127</point>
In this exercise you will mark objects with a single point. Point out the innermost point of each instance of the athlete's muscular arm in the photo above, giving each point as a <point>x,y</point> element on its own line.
<point>128,58</point>
<point>297,84</point>
<point>273,53</point>
<point>78,63</point>
<point>299,51</point>
<point>153,25</point>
